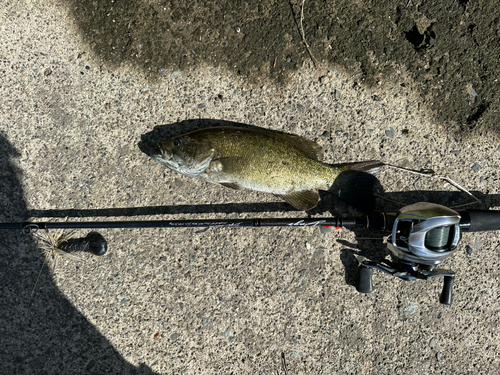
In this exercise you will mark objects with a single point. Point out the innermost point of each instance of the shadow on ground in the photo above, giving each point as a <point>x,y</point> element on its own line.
<point>50,336</point>
<point>449,49</point>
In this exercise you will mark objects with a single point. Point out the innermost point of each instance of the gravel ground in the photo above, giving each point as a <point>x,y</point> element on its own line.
<point>249,300</point>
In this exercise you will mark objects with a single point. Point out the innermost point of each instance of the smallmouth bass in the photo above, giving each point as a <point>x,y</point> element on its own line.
<point>285,165</point>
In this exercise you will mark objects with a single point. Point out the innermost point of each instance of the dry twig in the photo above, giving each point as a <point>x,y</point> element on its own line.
<point>315,62</point>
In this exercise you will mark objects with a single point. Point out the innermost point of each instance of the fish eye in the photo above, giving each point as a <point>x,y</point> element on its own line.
<point>177,142</point>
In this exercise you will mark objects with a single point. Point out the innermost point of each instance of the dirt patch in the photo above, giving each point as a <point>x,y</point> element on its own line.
<point>449,49</point>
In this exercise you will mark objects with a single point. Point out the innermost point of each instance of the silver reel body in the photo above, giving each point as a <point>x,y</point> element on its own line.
<point>425,233</point>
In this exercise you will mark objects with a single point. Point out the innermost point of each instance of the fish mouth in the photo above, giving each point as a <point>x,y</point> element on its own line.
<point>162,155</point>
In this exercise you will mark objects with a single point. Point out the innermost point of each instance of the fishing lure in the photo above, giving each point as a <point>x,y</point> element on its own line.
<point>62,243</point>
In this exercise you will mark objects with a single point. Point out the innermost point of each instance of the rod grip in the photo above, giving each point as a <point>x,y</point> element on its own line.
<point>365,284</point>
<point>481,220</point>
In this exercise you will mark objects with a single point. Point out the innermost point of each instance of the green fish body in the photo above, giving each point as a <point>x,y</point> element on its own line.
<point>281,164</point>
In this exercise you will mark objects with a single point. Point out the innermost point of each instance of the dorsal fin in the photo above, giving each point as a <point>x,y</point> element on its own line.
<point>310,148</point>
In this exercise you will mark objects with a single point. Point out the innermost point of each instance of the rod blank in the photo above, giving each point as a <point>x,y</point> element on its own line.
<point>234,223</point>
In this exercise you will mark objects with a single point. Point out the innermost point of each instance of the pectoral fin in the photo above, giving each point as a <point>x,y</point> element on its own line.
<point>232,185</point>
<point>301,200</point>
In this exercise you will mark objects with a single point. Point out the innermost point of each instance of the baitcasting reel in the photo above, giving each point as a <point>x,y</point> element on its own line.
<point>423,235</point>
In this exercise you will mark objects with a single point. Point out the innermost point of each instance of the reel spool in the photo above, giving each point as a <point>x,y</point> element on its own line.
<point>423,235</point>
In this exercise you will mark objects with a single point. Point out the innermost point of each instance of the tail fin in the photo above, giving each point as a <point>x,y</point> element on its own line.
<point>370,166</point>
<point>356,184</point>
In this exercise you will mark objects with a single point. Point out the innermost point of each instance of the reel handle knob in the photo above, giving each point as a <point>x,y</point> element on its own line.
<point>365,283</point>
<point>446,297</point>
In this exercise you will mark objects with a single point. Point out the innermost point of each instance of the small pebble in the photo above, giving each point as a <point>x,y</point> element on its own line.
<point>478,243</point>
<point>336,94</point>
<point>438,357</point>
<point>227,332</point>
<point>320,250</point>
<point>482,180</point>
<point>476,168</point>
<point>411,309</point>
<point>432,343</point>
<point>177,73</point>
<point>206,321</point>
<point>162,70</point>
<point>390,132</point>
<point>468,250</point>
<point>174,336</point>
<point>302,272</point>
<point>202,105</point>
<point>498,148</point>
<point>324,80</point>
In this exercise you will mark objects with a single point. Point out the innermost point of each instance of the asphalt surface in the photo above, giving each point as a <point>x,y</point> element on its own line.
<point>225,300</point>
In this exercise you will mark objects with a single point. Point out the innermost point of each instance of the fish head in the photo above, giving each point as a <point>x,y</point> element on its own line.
<point>186,155</point>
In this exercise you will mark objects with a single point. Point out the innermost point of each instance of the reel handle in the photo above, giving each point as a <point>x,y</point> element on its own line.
<point>365,282</point>
<point>446,297</point>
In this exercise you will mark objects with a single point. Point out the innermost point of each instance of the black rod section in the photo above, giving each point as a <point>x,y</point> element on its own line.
<point>479,220</point>
<point>291,222</point>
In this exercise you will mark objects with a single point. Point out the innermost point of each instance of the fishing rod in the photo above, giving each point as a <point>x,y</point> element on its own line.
<point>422,235</point>
<point>96,244</point>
